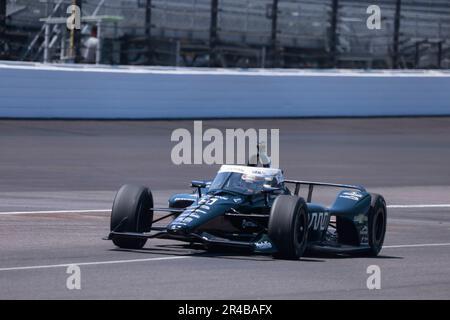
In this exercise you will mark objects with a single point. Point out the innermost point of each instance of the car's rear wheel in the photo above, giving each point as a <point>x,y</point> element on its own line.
<point>131,212</point>
<point>376,224</point>
<point>288,226</point>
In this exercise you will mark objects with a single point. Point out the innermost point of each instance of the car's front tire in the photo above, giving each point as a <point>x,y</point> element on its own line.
<point>288,226</point>
<point>131,212</point>
<point>376,224</point>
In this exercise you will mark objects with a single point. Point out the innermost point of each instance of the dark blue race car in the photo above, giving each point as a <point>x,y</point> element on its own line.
<point>255,209</point>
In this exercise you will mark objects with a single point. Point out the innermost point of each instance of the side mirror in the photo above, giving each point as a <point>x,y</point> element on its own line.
<point>269,189</point>
<point>198,184</point>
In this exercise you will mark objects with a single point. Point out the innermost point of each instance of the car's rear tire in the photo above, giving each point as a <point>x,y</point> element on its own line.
<point>131,212</point>
<point>288,226</point>
<point>376,224</point>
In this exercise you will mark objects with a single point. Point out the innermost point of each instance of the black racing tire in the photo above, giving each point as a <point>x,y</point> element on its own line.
<point>288,227</point>
<point>131,212</point>
<point>376,224</point>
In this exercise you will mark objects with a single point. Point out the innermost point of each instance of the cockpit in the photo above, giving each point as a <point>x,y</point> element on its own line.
<point>246,180</point>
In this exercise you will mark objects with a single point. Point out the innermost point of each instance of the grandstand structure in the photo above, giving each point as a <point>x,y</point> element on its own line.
<point>245,33</point>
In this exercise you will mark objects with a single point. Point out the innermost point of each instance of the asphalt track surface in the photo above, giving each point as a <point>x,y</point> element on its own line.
<point>57,178</point>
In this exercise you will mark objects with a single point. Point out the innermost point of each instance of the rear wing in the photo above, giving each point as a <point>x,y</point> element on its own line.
<point>311,185</point>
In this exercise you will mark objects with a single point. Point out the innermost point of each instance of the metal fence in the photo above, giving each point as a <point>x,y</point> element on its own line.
<point>257,33</point>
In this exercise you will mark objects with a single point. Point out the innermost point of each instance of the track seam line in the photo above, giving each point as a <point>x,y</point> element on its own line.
<point>419,206</point>
<point>393,206</point>
<point>91,263</point>
<point>179,257</point>
<point>55,212</point>
<point>417,245</point>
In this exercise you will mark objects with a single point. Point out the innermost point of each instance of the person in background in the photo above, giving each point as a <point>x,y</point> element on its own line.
<point>90,46</point>
<point>4,50</point>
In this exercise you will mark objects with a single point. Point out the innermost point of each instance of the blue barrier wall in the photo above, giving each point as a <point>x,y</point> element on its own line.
<point>51,91</point>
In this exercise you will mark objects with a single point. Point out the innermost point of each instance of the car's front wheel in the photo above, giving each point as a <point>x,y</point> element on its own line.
<point>131,212</point>
<point>288,226</point>
<point>376,224</point>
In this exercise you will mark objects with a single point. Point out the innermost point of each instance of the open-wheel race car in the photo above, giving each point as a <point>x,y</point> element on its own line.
<point>254,208</point>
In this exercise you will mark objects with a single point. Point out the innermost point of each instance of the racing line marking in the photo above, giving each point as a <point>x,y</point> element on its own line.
<point>184,257</point>
<point>65,265</point>
<point>178,257</point>
<point>55,212</point>
<point>393,206</point>
<point>417,245</point>
<point>418,206</point>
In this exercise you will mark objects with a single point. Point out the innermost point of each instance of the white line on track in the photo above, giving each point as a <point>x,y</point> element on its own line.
<point>417,245</point>
<point>96,263</point>
<point>393,206</point>
<point>55,212</point>
<point>419,206</point>
<point>92,263</point>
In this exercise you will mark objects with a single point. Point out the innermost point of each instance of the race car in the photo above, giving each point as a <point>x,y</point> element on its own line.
<point>256,209</point>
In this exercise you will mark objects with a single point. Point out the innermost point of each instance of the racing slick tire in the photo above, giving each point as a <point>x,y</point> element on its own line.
<point>288,226</point>
<point>376,224</point>
<point>131,212</point>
